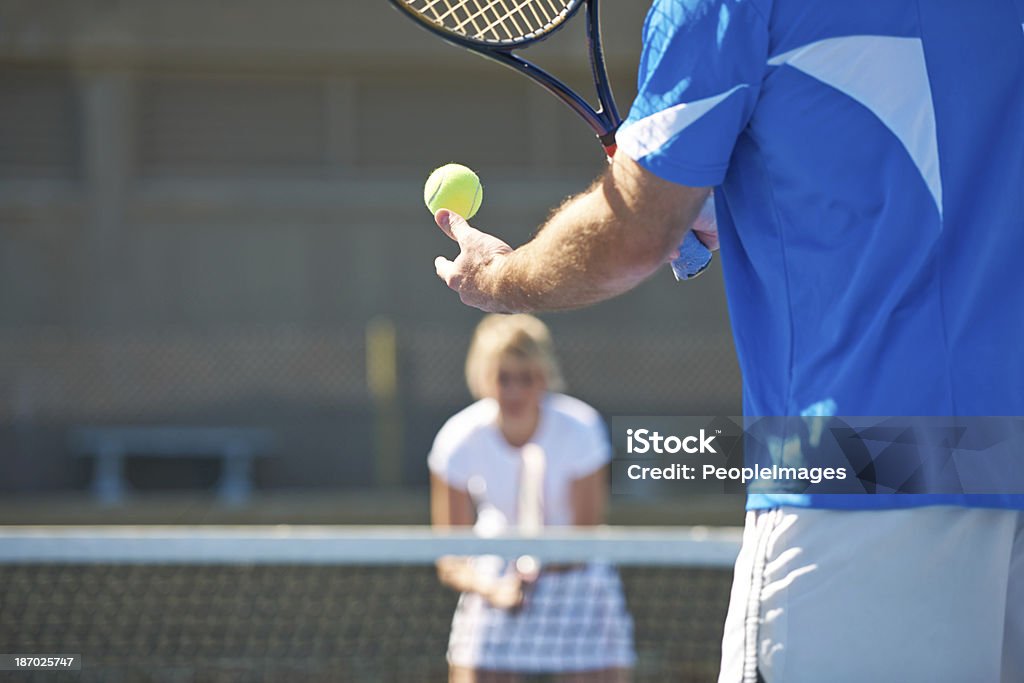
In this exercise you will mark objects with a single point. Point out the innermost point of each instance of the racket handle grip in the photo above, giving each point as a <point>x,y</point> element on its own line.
<point>693,259</point>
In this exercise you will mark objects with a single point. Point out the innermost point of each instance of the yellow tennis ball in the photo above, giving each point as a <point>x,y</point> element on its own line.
<point>453,187</point>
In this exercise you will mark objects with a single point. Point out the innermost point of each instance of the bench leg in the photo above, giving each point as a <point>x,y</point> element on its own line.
<point>108,479</point>
<point>236,479</point>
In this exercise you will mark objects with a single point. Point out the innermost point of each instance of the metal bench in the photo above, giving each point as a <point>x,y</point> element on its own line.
<point>110,446</point>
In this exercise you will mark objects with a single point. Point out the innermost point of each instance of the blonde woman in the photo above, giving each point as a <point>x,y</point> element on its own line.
<point>573,623</point>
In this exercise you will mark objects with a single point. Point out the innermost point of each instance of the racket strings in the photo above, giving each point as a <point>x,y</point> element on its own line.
<point>479,14</point>
<point>510,15</point>
<point>494,21</point>
<point>508,18</point>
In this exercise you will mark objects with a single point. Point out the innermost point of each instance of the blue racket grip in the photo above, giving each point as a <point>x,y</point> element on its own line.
<point>694,257</point>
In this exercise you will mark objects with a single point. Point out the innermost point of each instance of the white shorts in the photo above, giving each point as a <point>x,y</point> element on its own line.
<point>571,621</point>
<point>930,595</point>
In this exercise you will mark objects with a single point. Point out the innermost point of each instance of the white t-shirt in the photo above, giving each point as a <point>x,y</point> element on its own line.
<point>470,445</point>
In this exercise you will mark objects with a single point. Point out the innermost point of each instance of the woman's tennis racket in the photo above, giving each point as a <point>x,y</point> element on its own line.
<point>496,28</point>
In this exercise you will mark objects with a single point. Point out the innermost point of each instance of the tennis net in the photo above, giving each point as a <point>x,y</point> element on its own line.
<point>359,604</point>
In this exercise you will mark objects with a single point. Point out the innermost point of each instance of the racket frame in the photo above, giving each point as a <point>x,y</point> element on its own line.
<point>604,120</point>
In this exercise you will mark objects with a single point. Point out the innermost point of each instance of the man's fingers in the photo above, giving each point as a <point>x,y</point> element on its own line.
<point>442,218</point>
<point>451,223</point>
<point>445,268</point>
<point>708,239</point>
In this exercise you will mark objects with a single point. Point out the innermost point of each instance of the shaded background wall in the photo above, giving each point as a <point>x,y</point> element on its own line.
<point>203,207</point>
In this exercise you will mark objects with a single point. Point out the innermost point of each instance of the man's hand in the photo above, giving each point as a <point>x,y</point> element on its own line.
<point>474,272</point>
<point>705,227</point>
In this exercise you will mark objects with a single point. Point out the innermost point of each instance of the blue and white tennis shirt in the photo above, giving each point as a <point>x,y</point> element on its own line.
<point>868,159</point>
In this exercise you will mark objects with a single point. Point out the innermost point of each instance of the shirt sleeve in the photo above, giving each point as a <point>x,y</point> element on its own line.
<point>593,450</point>
<point>699,80</point>
<point>448,457</point>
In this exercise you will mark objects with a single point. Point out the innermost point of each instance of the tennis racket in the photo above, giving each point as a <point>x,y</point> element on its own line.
<point>530,505</point>
<point>495,29</point>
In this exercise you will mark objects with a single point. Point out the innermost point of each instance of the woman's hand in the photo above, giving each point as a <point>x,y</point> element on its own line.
<point>456,572</point>
<point>504,592</point>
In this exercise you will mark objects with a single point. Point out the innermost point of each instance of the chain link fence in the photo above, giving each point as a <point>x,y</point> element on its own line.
<point>310,387</point>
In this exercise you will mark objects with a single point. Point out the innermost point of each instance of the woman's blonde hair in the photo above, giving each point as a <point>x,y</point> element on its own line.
<point>520,335</point>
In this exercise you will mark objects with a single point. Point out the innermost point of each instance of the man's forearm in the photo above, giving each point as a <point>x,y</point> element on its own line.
<point>599,244</point>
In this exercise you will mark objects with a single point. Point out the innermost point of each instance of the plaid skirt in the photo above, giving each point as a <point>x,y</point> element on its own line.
<point>574,620</point>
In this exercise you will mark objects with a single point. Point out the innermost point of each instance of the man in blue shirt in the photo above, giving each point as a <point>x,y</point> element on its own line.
<point>868,160</point>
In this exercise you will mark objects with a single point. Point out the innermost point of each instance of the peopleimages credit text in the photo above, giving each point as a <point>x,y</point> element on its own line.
<point>815,475</point>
